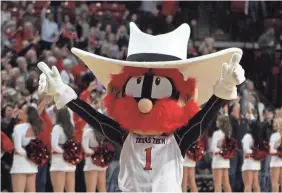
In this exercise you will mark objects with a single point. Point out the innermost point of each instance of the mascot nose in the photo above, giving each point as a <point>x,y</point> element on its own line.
<point>145,105</point>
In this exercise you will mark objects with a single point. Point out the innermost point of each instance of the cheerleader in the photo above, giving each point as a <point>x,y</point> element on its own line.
<point>276,161</point>
<point>95,176</point>
<point>220,165</point>
<point>251,167</point>
<point>23,170</point>
<point>62,173</point>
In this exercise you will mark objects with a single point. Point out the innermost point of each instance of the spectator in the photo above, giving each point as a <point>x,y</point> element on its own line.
<point>267,40</point>
<point>66,74</point>
<point>5,14</point>
<point>49,29</point>
<point>207,47</point>
<point>51,61</point>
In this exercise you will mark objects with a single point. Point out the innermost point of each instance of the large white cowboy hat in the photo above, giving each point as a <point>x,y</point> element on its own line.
<point>162,51</point>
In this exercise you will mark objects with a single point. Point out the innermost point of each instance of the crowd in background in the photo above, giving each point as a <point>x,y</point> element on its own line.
<point>46,31</point>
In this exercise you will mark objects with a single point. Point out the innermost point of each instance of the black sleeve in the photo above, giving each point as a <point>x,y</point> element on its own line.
<point>103,124</point>
<point>189,133</point>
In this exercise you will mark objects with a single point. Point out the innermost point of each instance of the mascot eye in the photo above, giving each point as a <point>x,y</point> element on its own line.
<point>139,80</point>
<point>158,80</point>
<point>161,88</point>
<point>134,86</point>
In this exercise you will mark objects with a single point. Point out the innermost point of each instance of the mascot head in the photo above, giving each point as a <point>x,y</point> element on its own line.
<point>153,91</point>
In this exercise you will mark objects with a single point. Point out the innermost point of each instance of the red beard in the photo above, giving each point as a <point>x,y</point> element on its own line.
<point>166,115</point>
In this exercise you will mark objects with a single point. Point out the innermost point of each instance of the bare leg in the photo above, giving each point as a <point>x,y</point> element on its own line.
<point>30,183</point>
<point>91,180</point>
<point>256,181</point>
<point>248,180</point>
<point>58,181</point>
<point>101,182</point>
<point>225,180</point>
<point>192,180</point>
<point>185,179</point>
<point>274,174</point>
<point>217,177</point>
<point>19,182</point>
<point>70,182</point>
<point>280,177</point>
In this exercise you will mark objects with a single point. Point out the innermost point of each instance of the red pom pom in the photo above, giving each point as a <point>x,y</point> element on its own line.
<point>196,152</point>
<point>72,152</point>
<point>229,148</point>
<point>103,155</point>
<point>260,150</point>
<point>37,152</point>
<point>279,149</point>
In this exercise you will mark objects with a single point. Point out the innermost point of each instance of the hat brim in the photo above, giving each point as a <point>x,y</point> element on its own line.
<point>206,69</point>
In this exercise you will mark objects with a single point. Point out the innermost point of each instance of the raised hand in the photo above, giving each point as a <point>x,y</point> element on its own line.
<point>50,81</point>
<point>52,84</point>
<point>232,74</point>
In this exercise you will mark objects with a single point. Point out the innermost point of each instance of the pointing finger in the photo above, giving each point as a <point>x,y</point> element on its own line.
<point>45,69</point>
<point>235,60</point>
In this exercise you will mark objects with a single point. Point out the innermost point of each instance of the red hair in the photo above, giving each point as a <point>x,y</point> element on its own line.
<point>166,115</point>
<point>185,87</point>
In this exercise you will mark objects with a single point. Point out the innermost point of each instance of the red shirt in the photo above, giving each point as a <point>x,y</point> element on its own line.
<point>45,135</point>
<point>78,70</point>
<point>6,143</point>
<point>60,65</point>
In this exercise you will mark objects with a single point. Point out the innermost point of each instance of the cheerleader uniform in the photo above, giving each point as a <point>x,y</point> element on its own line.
<point>276,161</point>
<point>218,162</point>
<point>188,162</point>
<point>249,162</point>
<point>21,164</point>
<point>89,141</point>
<point>58,138</point>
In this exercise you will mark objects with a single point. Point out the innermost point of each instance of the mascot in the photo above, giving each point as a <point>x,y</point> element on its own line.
<point>153,100</point>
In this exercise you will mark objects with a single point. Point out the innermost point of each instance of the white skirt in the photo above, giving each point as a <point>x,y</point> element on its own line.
<point>218,162</point>
<point>22,165</point>
<point>251,164</point>
<point>89,166</point>
<point>59,164</point>
<point>276,161</point>
<point>188,162</point>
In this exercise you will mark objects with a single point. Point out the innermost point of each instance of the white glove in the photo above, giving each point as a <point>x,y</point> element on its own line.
<point>51,83</point>
<point>232,74</point>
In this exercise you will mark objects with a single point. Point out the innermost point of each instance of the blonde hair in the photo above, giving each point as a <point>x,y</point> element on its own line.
<point>224,125</point>
<point>279,122</point>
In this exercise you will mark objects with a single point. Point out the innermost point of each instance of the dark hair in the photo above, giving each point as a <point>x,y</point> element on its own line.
<point>63,118</point>
<point>3,110</point>
<point>224,124</point>
<point>34,119</point>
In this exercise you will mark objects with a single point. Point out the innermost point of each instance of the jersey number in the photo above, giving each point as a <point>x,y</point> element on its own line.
<point>148,159</point>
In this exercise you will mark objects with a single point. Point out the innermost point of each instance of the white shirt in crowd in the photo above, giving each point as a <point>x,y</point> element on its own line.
<point>48,28</point>
<point>67,77</point>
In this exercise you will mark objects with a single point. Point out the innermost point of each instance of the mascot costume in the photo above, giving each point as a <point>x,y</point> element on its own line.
<point>153,102</point>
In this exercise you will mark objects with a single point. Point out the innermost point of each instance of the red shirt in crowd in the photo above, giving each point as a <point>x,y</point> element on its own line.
<point>6,143</point>
<point>45,135</point>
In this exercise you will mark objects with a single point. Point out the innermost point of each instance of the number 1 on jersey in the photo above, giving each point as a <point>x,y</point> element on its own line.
<point>148,159</point>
